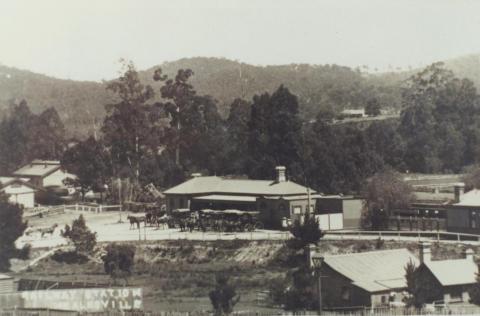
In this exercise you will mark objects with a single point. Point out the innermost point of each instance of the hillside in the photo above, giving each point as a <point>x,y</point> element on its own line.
<point>81,103</point>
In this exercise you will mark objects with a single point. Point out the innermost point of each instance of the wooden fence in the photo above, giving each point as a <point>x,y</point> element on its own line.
<point>418,234</point>
<point>59,209</point>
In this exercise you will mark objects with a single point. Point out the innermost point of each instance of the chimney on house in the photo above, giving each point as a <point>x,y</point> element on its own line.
<point>469,254</point>
<point>425,251</point>
<point>196,175</point>
<point>281,170</point>
<point>458,189</point>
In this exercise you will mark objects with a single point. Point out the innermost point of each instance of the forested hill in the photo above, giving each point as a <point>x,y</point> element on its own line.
<point>81,104</point>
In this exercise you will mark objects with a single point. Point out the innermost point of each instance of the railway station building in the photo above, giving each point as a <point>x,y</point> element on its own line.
<point>275,199</point>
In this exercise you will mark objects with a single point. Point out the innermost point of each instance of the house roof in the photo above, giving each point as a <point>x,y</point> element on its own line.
<point>219,197</point>
<point>5,181</point>
<point>218,185</point>
<point>39,168</point>
<point>471,198</point>
<point>374,271</point>
<point>5,277</point>
<point>453,272</point>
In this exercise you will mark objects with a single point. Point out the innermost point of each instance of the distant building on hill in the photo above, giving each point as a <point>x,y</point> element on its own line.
<point>353,113</point>
<point>44,173</point>
<point>20,191</point>
<point>274,199</point>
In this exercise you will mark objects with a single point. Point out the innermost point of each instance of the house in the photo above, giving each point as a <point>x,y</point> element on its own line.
<point>464,215</point>
<point>447,281</point>
<point>7,284</point>
<point>19,190</point>
<point>353,113</point>
<point>274,199</point>
<point>339,212</point>
<point>44,173</point>
<point>373,278</point>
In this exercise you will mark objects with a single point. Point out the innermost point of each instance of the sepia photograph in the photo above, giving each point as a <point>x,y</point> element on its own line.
<point>236,158</point>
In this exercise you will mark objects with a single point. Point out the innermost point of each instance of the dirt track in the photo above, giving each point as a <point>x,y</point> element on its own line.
<point>108,228</point>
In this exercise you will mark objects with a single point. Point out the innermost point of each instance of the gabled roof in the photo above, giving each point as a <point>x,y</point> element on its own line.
<point>39,168</point>
<point>5,181</point>
<point>453,272</point>
<point>218,185</point>
<point>471,198</point>
<point>374,271</point>
<point>5,277</point>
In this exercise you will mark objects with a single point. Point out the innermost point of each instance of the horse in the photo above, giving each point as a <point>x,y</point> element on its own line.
<point>47,230</point>
<point>163,220</point>
<point>135,220</point>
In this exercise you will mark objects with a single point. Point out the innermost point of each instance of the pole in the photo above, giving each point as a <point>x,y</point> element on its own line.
<point>319,292</point>
<point>119,199</point>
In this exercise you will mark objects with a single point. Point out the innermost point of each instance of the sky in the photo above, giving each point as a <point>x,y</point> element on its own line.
<point>85,39</point>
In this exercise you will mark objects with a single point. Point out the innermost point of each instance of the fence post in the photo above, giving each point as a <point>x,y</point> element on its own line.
<point>76,207</point>
<point>458,237</point>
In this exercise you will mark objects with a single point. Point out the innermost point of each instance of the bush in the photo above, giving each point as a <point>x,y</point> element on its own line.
<point>223,297</point>
<point>118,261</point>
<point>69,257</point>
<point>307,233</point>
<point>83,239</point>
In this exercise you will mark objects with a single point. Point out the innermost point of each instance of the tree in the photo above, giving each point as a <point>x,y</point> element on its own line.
<point>82,238</point>
<point>12,227</point>
<point>306,233</point>
<point>475,292</point>
<point>275,135</point>
<point>195,132</point>
<point>118,261</point>
<point>237,137</point>
<point>472,177</point>
<point>128,131</point>
<point>88,160</point>
<point>410,270</point>
<point>224,296</point>
<point>373,107</point>
<point>385,192</point>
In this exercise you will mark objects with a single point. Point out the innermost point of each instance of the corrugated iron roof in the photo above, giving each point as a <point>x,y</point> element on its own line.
<point>453,272</point>
<point>38,168</point>
<point>215,185</point>
<point>218,197</point>
<point>471,198</point>
<point>5,277</point>
<point>5,181</point>
<point>374,271</point>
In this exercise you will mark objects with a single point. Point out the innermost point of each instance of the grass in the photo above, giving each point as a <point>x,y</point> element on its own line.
<point>178,275</point>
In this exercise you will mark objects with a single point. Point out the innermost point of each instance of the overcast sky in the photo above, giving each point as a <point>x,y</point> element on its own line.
<point>84,40</point>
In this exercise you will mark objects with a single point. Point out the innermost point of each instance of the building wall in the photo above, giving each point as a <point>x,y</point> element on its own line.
<point>20,194</point>
<point>272,211</point>
<point>338,291</point>
<point>352,213</point>
<point>222,205</point>
<point>463,220</point>
<point>8,286</point>
<point>55,179</point>
<point>176,201</point>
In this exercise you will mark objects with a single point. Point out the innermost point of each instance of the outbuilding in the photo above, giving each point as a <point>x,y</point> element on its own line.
<point>19,191</point>
<point>373,278</point>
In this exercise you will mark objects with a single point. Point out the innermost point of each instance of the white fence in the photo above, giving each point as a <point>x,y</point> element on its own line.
<point>59,209</point>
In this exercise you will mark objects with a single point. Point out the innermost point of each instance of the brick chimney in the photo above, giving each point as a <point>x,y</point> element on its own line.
<point>425,251</point>
<point>281,170</point>
<point>458,189</point>
<point>469,254</point>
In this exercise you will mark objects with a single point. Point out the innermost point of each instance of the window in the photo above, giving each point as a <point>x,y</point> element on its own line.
<point>456,294</point>
<point>384,299</point>
<point>345,294</point>
<point>297,210</point>
<point>473,219</point>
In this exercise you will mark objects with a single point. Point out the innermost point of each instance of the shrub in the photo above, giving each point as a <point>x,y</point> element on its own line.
<point>69,257</point>
<point>223,297</point>
<point>83,239</point>
<point>307,233</point>
<point>118,261</point>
